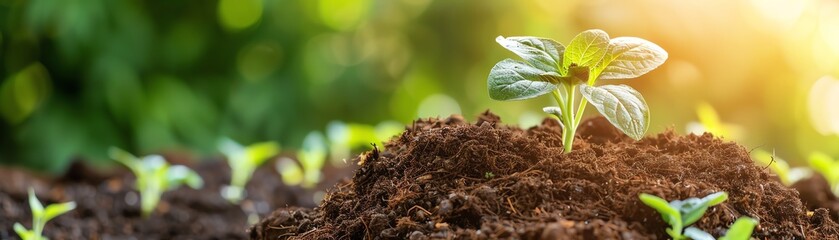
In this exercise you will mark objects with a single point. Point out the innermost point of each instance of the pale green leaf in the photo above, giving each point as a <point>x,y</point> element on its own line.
<point>741,229</point>
<point>125,158</point>
<point>259,152</point>
<point>586,49</point>
<point>35,205</point>
<point>290,171</point>
<point>542,53</point>
<point>630,57</point>
<point>670,215</point>
<point>825,165</point>
<point>556,111</point>
<point>692,209</point>
<point>23,233</point>
<point>515,80</point>
<point>54,210</point>
<point>697,234</point>
<point>177,175</point>
<point>313,154</point>
<point>624,107</point>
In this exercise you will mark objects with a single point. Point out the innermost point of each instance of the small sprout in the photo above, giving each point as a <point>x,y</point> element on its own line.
<point>489,175</point>
<point>343,137</point>
<point>311,158</point>
<point>709,121</point>
<point>155,176</point>
<point>550,67</point>
<point>40,217</point>
<point>780,167</point>
<point>827,167</point>
<point>682,213</point>
<point>243,162</point>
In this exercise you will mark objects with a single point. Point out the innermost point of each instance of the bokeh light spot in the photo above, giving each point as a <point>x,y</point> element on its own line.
<point>258,60</point>
<point>22,93</point>
<point>239,14</point>
<point>823,104</point>
<point>342,14</point>
<point>438,105</point>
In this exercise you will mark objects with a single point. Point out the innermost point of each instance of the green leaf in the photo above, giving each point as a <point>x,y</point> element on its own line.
<point>586,49</point>
<point>741,229</point>
<point>35,205</point>
<point>125,158</point>
<point>515,80</point>
<point>54,210</point>
<point>259,152</point>
<point>556,111</point>
<point>668,213</point>
<point>23,233</point>
<point>692,209</point>
<point>630,57</point>
<point>825,165</point>
<point>697,234</point>
<point>178,175</point>
<point>542,53</point>
<point>624,107</point>
<point>290,171</point>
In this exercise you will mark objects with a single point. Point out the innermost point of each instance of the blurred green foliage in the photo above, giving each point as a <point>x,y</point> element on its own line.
<point>148,76</point>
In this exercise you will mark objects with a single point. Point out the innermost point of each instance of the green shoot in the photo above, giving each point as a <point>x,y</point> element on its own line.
<point>40,217</point>
<point>709,121</point>
<point>243,162</point>
<point>681,213</point>
<point>155,176</point>
<point>787,175</point>
<point>343,137</point>
<point>827,167</point>
<point>550,67</point>
<point>311,157</point>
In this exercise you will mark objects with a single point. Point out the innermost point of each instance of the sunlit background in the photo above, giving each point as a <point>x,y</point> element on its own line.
<point>156,76</point>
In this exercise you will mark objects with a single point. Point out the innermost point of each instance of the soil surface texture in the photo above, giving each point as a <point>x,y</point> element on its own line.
<point>450,179</point>
<point>815,193</point>
<point>108,205</point>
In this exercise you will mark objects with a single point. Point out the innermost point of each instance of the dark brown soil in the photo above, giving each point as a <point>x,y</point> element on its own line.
<point>449,179</point>
<point>815,193</point>
<point>104,210</point>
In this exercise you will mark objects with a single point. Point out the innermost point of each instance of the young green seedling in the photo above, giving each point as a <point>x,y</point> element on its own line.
<point>243,162</point>
<point>40,217</point>
<point>787,175</point>
<point>682,213</point>
<point>550,67</point>
<point>311,158</point>
<point>155,176</point>
<point>828,168</point>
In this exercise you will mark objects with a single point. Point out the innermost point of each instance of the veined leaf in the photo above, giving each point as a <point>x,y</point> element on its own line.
<point>630,57</point>
<point>586,49</point>
<point>624,107</point>
<point>542,53</point>
<point>515,80</point>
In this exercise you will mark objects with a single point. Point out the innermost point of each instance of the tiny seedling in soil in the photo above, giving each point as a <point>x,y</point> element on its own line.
<point>781,168</point>
<point>311,158</point>
<point>155,176</point>
<point>243,161</point>
<point>827,167</point>
<point>40,217</point>
<point>550,67</point>
<point>682,213</point>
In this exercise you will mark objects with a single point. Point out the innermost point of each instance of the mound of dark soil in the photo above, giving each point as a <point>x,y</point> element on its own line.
<point>446,178</point>
<point>816,193</point>
<point>108,207</point>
